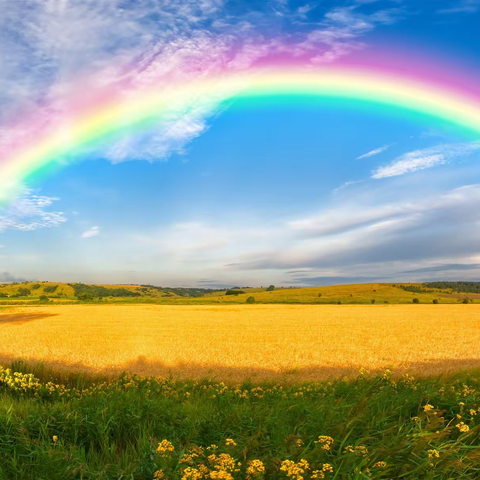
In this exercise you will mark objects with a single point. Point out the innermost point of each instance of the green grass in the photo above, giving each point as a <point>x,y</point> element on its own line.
<point>345,294</point>
<point>111,430</point>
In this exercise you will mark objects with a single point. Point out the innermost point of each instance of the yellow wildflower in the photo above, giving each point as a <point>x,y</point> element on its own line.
<point>295,470</point>
<point>255,469</point>
<point>433,453</point>
<point>54,438</point>
<point>380,464</point>
<point>428,407</point>
<point>165,448</point>
<point>462,427</point>
<point>325,442</point>
<point>159,475</point>
<point>230,443</point>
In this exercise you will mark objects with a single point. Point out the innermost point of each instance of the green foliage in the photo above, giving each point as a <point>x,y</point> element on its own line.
<point>43,299</point>
<point>416,300</point>
<point>86,296</point>
<point>373,301</point>
<point>413,288</point>
<point>461,287</point>
<point>36,286</point>
<point>435,301</point>
<point>50,288</point>
<point>78,428</point>
<point>23,292</point>
<point>184,291</point>
<point>271,288</point>
<point>250,300</point>
<point>234,292</point>
<point>100,291</point>
<point>466,300</point>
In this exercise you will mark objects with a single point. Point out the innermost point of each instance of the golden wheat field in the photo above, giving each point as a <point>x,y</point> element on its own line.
<point>232,343</point>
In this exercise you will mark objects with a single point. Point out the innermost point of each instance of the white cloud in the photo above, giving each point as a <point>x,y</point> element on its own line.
<point>465,6</point>
<point>125,47</point>
<point>29,212</point>
<point>374,152</point>
<point>91,232</point>
<point>425,158</point>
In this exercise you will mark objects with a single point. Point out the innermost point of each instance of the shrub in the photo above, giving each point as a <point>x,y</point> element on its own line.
<point>319,295</point>
<point>466,300</point>
<point>373,301</point>
<point>36,286</point>
<point>50,288</point>
<point>43,299</point>
<point>234,292</point>
<point>250,300</point>
<point>339,302</point>
<point>435,301</point>
<point>271,288</point>
<point>86,296</point>
<point>23,292</point>
<point>416,300</point>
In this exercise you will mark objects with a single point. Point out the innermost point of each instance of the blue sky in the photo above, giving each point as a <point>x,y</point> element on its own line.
<point>289,193</point>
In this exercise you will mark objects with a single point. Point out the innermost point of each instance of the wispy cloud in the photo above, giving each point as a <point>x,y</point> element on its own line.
<point>30,212</point>
<point>91,232</point>
<point>374,152</point>
<point>346,185</point>
<point>465,6</point>
<point>144,43</point>
<point>425,158</point>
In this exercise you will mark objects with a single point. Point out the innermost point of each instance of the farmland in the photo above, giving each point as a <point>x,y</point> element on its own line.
<point>119,389</point>
<point>240,342</point>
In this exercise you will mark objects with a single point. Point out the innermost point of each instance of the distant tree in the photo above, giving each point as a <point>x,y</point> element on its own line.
<point>319,295</point>
<point>36,286</point>
<point>339,302</point>
<point>373,301</point>
<point>23,292</point>
<point>250,300</point>
<point>416,300</point>
<point>435,301</point>
<point>234,292</point>
<point>466,300</point>
<point>271,288</point>
<point>86,296</point>
<point>43,299</point>
<point>3,295</point>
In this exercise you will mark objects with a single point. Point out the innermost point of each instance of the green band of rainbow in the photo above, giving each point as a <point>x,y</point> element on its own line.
<point>140,111</point>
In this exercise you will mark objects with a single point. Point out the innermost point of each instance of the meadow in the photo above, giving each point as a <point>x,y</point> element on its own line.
<point>143,428</point>
<point>112,389</point>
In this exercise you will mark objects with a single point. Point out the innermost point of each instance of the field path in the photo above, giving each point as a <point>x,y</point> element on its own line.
<point>300,342</point>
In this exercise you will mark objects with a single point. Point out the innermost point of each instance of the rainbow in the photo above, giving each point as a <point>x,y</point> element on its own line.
<point>109,117</point>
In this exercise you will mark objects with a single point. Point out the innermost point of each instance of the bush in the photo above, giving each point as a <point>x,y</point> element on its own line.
<point>234,292</point>
<point>50,288</point>
<point>466,300</point>
<point>416,300</point>
<point>23,292</point>
<point>271,288</point>
<point>86,296</point>
<point>319,295</point>
<point>43,299</point>
<point>435,301</point>
<point>373,301</point>
<point>36,286</point>
<point>339,302</point>
<point>250,300</point>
